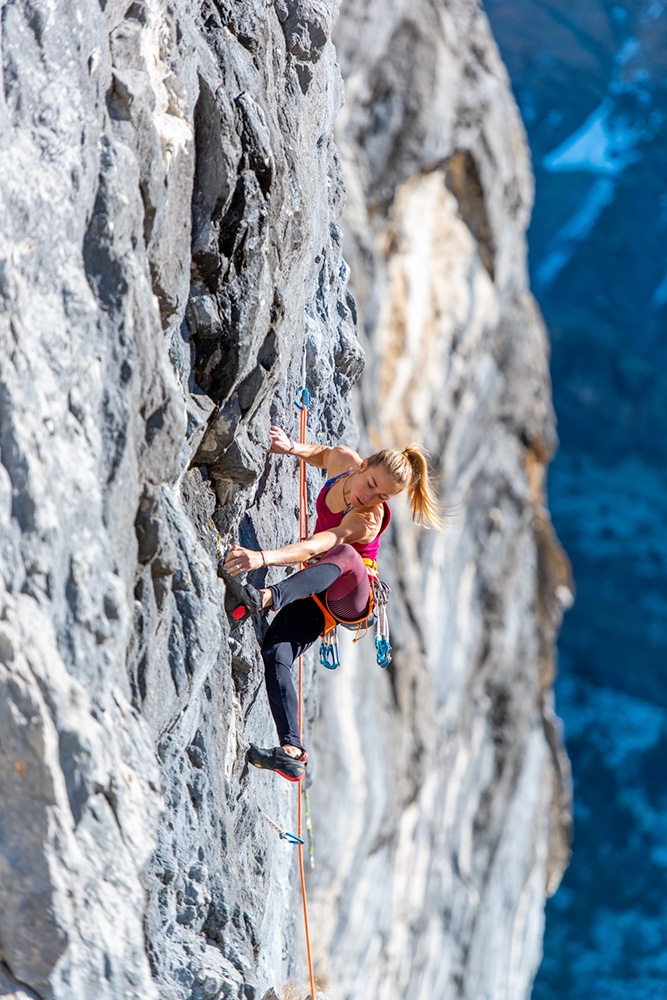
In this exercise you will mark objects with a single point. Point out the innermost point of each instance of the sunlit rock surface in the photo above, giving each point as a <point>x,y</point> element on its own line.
<point>172,272</point>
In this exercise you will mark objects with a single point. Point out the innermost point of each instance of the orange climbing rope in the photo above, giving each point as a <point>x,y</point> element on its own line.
<point>303,534</point>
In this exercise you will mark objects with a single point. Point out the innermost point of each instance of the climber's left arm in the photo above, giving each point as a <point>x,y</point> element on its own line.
<point>358,527</point>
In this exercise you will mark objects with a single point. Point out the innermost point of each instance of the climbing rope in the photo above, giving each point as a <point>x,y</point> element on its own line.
<point>303,535</point>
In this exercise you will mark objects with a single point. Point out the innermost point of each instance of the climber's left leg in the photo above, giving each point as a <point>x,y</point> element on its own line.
<point>292,632</point>
<point>311,580</point>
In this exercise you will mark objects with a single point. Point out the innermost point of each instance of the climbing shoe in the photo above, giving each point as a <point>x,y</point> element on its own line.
<point>246,599</point>
<point>275,759</point>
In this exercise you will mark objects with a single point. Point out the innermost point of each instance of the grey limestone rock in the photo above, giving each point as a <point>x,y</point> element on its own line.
<point>171,275</point>
<point>171,257</point>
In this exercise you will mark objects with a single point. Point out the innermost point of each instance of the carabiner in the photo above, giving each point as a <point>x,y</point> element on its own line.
<point>383,651</point>
<point>329,652</point>
<point>291,838</point>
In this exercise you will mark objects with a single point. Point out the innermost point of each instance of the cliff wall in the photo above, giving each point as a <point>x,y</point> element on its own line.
<point>456,803</point>
<point>172,271</point>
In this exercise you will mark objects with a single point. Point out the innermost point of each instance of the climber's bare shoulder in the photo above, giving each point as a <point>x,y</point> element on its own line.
<point>341,459</point>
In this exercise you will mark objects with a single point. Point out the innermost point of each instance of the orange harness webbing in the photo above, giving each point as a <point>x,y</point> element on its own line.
<point>331,620</point>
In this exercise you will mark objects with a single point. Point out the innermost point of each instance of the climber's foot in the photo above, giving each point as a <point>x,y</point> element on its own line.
<point>278,760</point>
<point>246,598</point>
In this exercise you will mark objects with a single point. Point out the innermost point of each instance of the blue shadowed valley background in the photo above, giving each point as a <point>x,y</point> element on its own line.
<point>591,81</point>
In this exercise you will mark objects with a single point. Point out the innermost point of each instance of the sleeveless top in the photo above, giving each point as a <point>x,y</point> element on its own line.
<point>329,519</point>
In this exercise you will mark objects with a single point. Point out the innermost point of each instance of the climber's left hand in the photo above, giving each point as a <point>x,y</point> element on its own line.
<point>240,560</point>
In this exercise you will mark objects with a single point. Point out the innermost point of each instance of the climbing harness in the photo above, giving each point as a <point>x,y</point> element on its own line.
<point>291,838</point>
<point>331,620</point>
<point>376,614</point>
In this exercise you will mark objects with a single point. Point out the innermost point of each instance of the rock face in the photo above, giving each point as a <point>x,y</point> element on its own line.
<point>171,273</point>
<point>455,804</point>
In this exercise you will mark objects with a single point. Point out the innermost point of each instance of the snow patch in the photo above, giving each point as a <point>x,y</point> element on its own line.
<point>601,145</point>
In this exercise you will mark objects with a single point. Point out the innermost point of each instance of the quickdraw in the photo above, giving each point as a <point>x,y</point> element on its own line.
<point>291,838</point>
<point>382,644</point>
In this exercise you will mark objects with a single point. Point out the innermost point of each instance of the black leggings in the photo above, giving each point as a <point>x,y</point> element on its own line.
<point>300,621</point>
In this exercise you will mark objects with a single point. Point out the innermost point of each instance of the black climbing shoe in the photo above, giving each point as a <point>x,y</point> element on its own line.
<point>275,759</point>
<point>247,599</point>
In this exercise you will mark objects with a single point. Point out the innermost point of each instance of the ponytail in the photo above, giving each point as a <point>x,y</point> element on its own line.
<point>425,506</point>
<point>409,469</point>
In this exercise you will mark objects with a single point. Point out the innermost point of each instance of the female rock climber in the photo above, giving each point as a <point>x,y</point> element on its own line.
<point>352,513</point>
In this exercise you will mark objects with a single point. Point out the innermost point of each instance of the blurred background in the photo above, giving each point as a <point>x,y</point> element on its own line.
<point>591,81</point>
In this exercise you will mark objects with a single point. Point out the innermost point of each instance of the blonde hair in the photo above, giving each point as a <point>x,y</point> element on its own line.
<point>409,469</point>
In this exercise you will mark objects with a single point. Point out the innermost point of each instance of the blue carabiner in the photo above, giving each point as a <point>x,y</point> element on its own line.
<point>383,651</point>
<point>291,838</point>
<point>305,397</point>
<point>329,655</point>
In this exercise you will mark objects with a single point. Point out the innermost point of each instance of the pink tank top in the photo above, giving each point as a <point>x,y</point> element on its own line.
<point>328,519</point>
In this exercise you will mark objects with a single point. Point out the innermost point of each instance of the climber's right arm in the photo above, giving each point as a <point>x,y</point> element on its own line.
<point>334,460</point>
